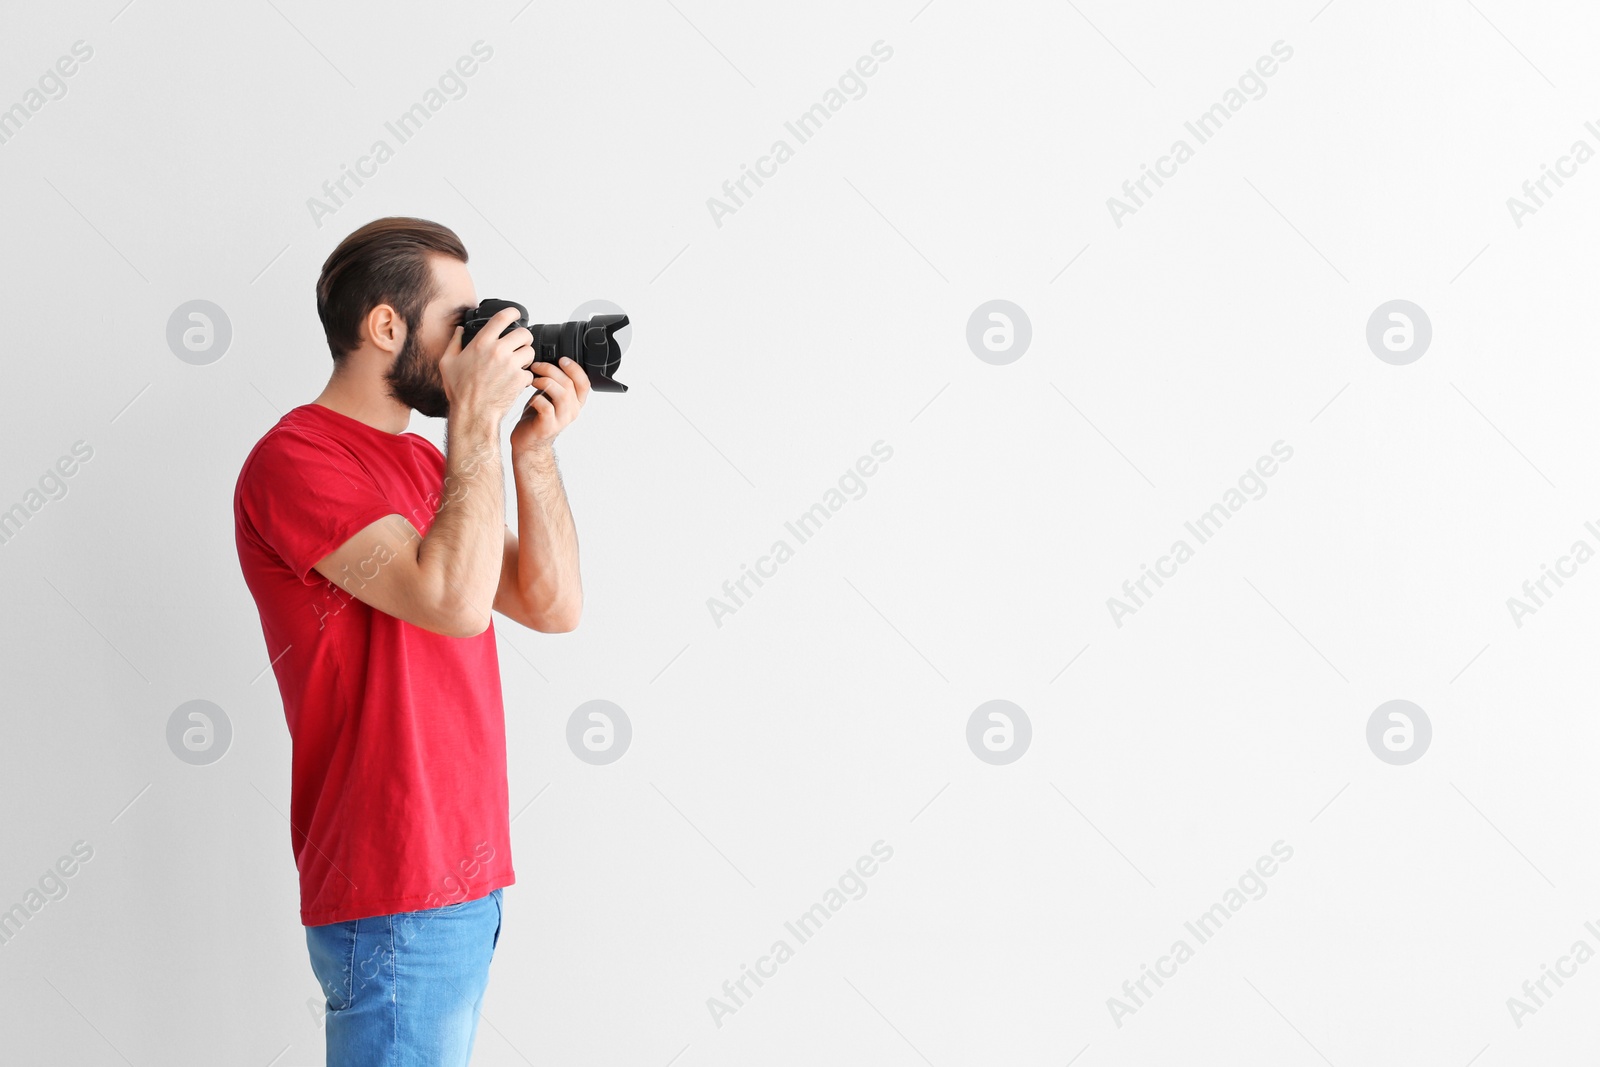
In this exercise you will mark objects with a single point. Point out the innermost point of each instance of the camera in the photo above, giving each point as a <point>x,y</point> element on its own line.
<point>591,344</point>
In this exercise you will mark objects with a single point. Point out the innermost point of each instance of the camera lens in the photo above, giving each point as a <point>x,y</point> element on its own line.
<point>592,344</point>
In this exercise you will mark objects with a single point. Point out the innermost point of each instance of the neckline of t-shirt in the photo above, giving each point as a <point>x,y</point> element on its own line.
<point>338,416</point>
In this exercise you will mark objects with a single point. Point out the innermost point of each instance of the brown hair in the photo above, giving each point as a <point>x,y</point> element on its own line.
<point>384,262</point>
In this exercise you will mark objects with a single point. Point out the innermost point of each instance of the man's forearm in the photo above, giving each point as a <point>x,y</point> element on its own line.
<point>463,549</point>
<point>547,542</point>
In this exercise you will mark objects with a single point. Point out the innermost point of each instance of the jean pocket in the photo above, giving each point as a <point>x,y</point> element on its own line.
<point>500,915</point>
<point>333,949</point>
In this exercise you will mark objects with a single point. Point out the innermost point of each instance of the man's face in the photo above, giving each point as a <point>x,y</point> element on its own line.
<point>414,380</point>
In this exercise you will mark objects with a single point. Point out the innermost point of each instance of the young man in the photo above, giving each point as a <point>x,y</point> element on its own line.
<point>375,561</point>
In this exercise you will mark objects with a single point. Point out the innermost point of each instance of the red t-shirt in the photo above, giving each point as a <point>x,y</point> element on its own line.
<point>398,787</point>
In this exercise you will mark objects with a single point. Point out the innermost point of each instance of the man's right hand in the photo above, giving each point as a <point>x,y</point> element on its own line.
<point>485,378</point>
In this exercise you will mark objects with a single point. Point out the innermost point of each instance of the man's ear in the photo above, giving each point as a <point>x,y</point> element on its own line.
<point>384,327</point>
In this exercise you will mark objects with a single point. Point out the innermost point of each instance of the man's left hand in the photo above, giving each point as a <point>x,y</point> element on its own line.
<point>563,390</point>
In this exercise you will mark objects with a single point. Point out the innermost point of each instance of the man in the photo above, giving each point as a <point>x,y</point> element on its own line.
<point>375,562</point>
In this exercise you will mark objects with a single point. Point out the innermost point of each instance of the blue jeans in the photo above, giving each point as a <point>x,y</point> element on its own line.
<point>404,990</point>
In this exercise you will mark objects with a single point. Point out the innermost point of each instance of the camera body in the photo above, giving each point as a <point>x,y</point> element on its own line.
<point>591,344</point>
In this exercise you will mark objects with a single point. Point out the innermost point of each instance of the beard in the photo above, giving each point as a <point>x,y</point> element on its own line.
<point>414,379</point>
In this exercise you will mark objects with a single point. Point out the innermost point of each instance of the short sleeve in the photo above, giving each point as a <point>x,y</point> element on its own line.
<point>304,497</point>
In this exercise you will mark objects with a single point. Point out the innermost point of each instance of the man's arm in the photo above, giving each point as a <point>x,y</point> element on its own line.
<point>540,586</point>
<point>443,582</point>
<point>540,583</point>
<point>446,582</point>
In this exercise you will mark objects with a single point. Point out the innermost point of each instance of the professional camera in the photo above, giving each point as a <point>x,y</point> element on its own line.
<point>592,344</point>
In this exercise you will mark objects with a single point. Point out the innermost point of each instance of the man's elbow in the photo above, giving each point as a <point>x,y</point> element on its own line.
<point>469,626</point>
<point>472,629</point>
<point>556,618</point>
<point>459,620</point>
<point>557,624</point>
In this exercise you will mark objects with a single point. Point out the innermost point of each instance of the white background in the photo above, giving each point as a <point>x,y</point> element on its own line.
<point>768,354</point>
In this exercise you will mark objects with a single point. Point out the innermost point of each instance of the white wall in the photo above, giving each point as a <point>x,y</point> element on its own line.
<point>773,346</point>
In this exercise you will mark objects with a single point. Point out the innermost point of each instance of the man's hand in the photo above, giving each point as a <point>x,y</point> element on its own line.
<point>540,585</point>
<point>563,390</point>
<point>485,378</point>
